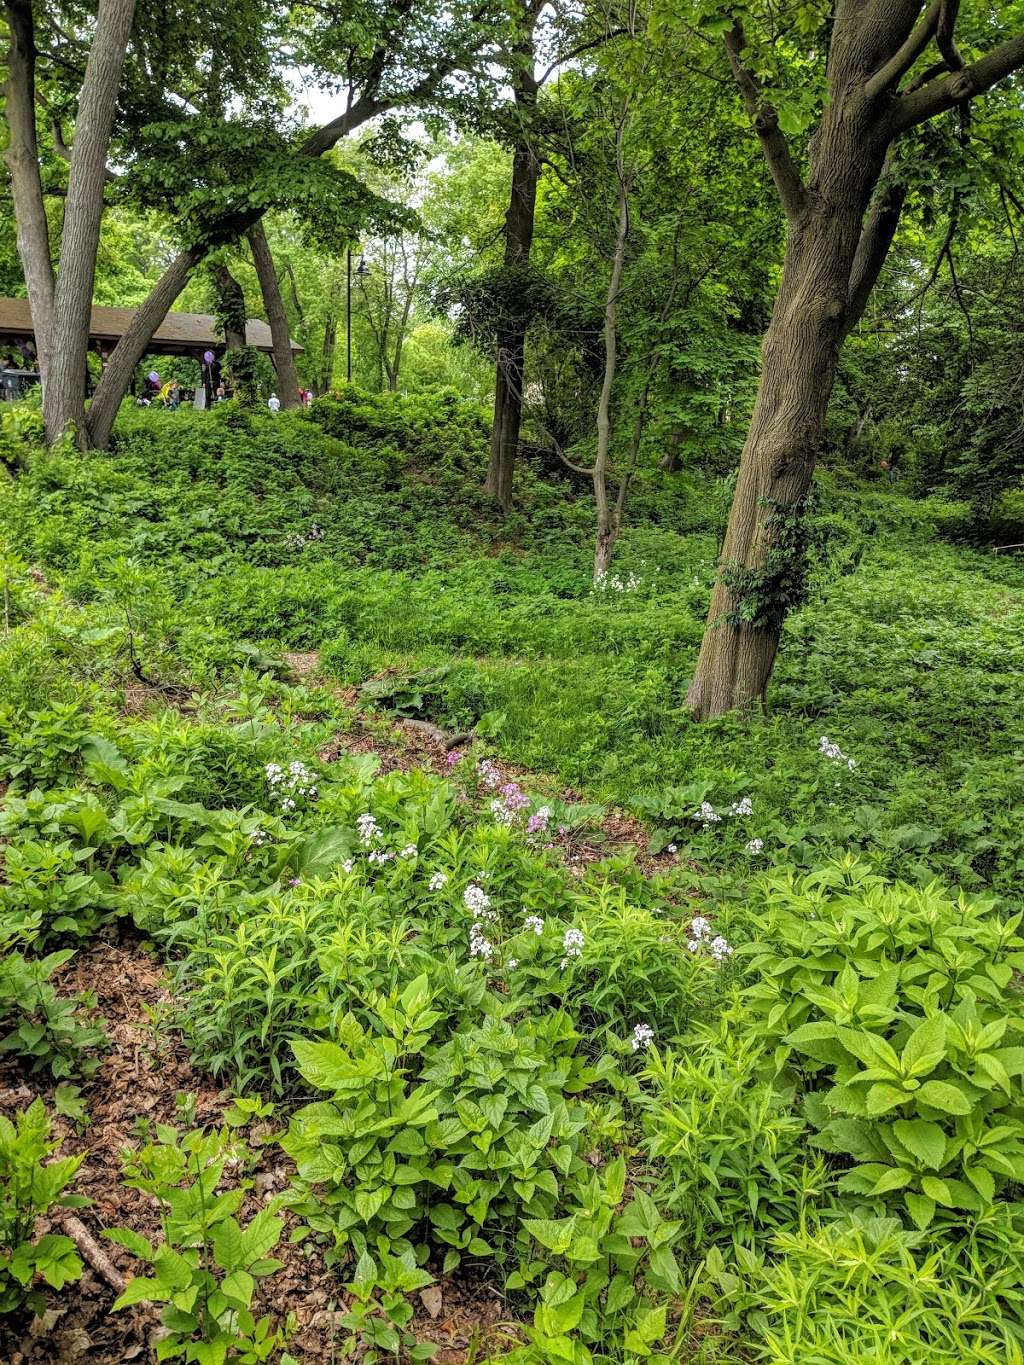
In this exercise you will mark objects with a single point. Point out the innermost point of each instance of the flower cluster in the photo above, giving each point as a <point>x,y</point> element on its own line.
<point>572,946</point>
<point>834,753</point>
<point>479,944</point>
<point>410,851</point>
<point>437,881</point>
<point>379,855</point>
<point>509,805</point>
<point>643,1036</point>
<point>617,583</point>
<point>314,533</point>
<point>488,773</point>
<point>538,821</point>
<point>369,830</point>
<point>534,923</point>
<point>744,807</point>
<point>755,846</point>
<point>701,931</point>
<point>258,838</point>
<point>289,786</point>
<point>478,902</point>
<point>707,815</point>
<point>453,757</point>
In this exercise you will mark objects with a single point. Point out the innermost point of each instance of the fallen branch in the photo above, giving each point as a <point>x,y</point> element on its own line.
<point>93,1252</point>
<point>435,732</point>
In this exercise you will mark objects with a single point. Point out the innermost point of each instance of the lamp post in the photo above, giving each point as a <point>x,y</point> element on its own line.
<point>362,270</point>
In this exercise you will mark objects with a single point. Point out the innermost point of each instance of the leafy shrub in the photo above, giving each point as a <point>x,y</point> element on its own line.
<point>729,1148</point>
<point>206,1269</point>
<point>45,1030</point>
<point>897,1011</point>
<point>478,1137</point>
<point>31,1186</point>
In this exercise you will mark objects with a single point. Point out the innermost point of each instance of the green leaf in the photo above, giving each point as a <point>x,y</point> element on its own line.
<point>925,1048</point>
<point>142,1289</point>
<point>941,1095</point>
<point>921,1209</point>
<point>881,1098</point>
<point>926,1141</point>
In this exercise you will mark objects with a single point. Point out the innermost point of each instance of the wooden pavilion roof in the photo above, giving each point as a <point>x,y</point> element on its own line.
<point>178,334</point>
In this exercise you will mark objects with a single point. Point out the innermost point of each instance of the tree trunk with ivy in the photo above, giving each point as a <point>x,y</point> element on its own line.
<point>837,243</point>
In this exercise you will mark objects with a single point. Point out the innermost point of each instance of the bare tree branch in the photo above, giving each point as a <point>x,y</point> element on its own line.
<point>765,119</point>
<point>902,60</point>
<point>941,95</point>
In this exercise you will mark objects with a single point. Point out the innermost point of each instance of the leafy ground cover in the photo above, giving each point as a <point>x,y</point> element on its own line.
<point>562,1029</point>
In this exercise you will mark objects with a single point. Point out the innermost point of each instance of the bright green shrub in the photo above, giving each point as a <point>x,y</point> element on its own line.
<point>31,1186</point>
<point>898,1013</point>
<point>861,1288</point>
<point>730,1148</point>
<point>452,1143</point>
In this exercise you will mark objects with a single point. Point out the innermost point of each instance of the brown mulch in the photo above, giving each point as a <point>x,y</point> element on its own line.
<point>143,1076</point>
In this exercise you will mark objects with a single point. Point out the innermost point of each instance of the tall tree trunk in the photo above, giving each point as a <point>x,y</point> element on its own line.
<point>280,333</point>
<point>120,367</point>
<point>519,221</point>
<point>64,395</point>
<point>22,158</point>
<point>834,254</point>
<point>231,305</point>
<point>511,353</point>
<point>761,568</point>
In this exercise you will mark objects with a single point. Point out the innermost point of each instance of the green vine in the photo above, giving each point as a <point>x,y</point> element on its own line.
<point>763,596</point>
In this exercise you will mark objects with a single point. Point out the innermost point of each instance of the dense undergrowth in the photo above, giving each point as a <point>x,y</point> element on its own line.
<point>766,1104</point>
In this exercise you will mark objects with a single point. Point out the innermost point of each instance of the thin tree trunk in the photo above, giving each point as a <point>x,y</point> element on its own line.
<point>22,158</point>
<point>511,353</point>
<point>609,515</point>
<point>64,395</point>
<point>280,333</point>
<point>670,461</point>
<point>329,347</point>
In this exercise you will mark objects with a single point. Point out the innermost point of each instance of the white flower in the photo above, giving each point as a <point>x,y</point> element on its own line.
<point>672,848</point>
<point>693,944</point>
<point>535,923</point>
<point>833,752</point>
<point>700,928</point>
<point>572,946</point>
<point>643,1036</point>
<point>720,949</point>
<point>347,865</point>
<point>368,829</point>
<point>258,837</point>
<point>744,807</point>
<point>513,962</point>
<point>410,851</point>
<point>479,946</point>
<point>437,881</point>
<point>379,856</point>
<point>707,814</point>
<point>477,901</point>
<point>488,773</point>
<point>755,846</point>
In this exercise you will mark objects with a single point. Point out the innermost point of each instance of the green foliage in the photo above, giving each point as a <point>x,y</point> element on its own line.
<point>206,1269</point>
<point>31,1187</point>
<point>45,1031</point>
<point>897,1011</point>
